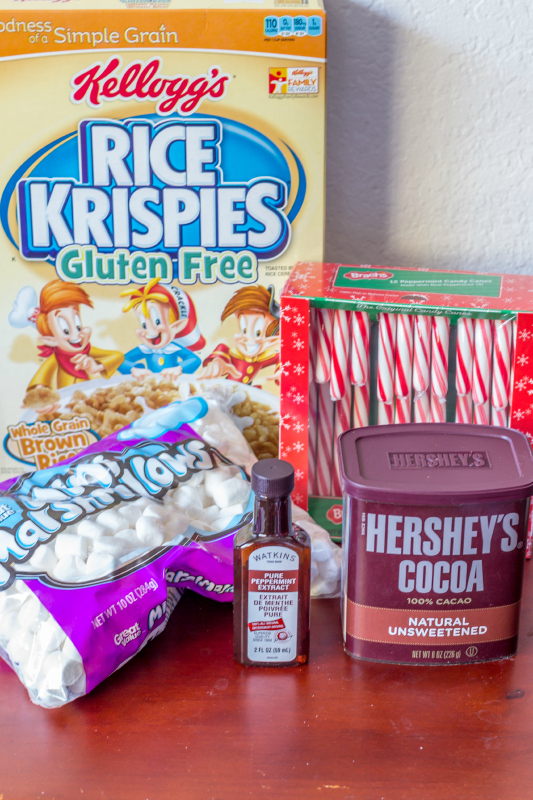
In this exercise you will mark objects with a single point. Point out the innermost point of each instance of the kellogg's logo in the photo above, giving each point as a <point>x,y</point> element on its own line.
<point>382,275</point>
<point>145,82</point>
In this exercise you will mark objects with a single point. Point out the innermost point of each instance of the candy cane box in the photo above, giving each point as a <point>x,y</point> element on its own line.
<point>162,171</point>
<point>369,345</point>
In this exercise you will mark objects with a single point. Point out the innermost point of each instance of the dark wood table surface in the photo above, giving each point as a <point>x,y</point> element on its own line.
<point>183,721</point>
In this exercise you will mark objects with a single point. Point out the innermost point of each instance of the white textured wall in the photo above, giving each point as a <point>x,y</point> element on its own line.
<point>430,133</point>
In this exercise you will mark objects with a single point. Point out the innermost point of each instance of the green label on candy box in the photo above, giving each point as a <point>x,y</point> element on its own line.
<point>398,280</point>
<point>327,512</point>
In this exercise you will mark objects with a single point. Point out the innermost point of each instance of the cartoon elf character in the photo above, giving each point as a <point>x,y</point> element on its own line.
<point>64,341</point>
<point>168,331</point>
<point>256,344</point>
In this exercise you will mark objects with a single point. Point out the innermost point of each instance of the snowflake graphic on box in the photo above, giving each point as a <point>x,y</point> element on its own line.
<point>522,360</point>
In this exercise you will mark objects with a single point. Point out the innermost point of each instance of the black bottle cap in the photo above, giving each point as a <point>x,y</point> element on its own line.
<point>272,477</point>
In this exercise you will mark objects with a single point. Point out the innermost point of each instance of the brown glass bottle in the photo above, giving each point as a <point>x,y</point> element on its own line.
<point>272,576</point>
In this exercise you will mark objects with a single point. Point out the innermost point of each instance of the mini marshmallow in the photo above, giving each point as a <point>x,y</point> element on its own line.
<point>156,511</point>
<point>49,636</point>
<point>320,550</point>
<point>112,545</point>
<point>11,602</point>
<point>130,537</point>
<point>237,510</point>
<point>70,651</point>
<point>44,558</point>
<point>130,512</point>
<point>188,497</point>
<point>19,646</point>
<point>329,570</point>
<point>100,563</point>
<point>150,531</point>
<point>321,587</point>
<point>314,571</point>
<point>111,519</point>
<point>79,687</point>
<point>8,626</point>
<point>31,614</point>
<point>232,491</point>
<point>206,501</point>
<point>208,515</point>
<point>91,528</point>
<point>214,477</point>
<point>196,479</point>
<point>70,544</point>
<point>69,568</point>
<point>176,524</point>
<point>141,503</point>
<point>58,671</point>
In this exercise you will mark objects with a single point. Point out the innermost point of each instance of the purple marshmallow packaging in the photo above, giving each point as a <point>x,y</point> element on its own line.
<point>96,551</point>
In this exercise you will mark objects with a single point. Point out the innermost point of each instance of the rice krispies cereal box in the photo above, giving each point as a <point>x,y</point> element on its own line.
<point>162,170</point>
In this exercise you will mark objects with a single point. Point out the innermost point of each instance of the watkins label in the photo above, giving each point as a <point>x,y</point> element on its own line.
<point>273,604</point>
<point>145,82</point>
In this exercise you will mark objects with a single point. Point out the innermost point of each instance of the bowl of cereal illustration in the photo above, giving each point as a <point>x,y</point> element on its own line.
<point>107,405</point>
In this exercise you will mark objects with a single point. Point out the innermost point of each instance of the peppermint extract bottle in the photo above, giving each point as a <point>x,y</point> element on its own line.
<point>272,576</point>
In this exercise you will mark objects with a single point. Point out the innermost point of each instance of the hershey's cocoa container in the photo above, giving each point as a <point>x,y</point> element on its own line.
<point>434,534</point>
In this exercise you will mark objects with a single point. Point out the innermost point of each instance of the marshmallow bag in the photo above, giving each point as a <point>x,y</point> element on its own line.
<point>96,551</point>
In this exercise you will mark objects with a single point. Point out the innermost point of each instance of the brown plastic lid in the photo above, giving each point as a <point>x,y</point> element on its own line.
<point>436,464</point>
<point>273,477</point>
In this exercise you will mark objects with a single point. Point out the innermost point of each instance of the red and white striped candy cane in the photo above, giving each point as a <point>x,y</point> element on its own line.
<point>312,343</point>
<point>404,368</point>
<point>340,388</point>
<point>359,355</point>
<point>342,424</point>
<point>313,407</point>
<point>481,370</point>
<point>339,382</point>
<point>324,448</point>
<point>464,367</point>
<point>311,462</point>
<point>421,363</point>
<point>386,353</point>
<point>501,371</point>
<point>511,380</point>
<point>361,404</point>
<point>440,340</point>
<point>324,333</point>
<point>360,367</point>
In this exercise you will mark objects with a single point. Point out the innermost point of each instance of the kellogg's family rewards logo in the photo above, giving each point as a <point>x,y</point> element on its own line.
<point>293,80</point>
<point>185,197</point>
